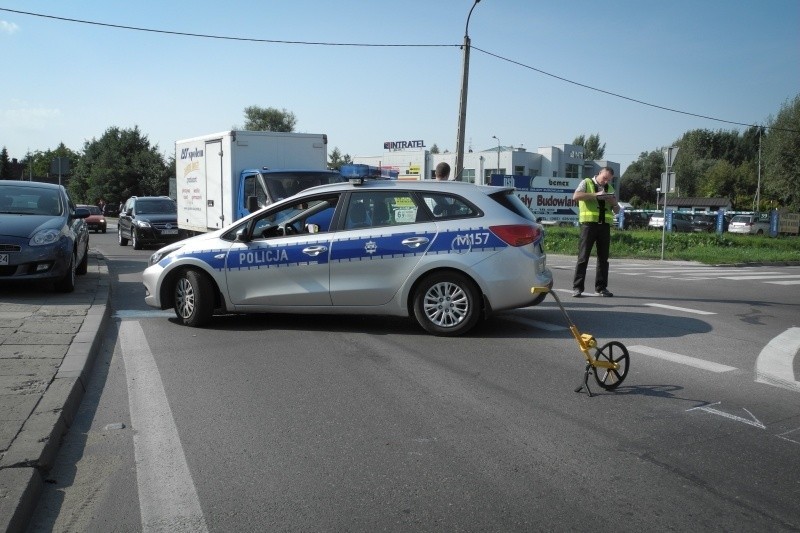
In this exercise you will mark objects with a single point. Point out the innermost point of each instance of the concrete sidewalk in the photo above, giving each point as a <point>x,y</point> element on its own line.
<point>48,342</point>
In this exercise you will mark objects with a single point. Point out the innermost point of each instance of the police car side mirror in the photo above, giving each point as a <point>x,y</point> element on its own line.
<point>312,228</point>
<point>241,235</point>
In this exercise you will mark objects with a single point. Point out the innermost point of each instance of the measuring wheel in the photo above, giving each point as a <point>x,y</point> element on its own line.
<point>612,352</point>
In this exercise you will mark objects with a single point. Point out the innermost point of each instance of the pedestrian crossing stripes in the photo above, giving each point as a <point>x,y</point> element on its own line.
<point>785,276</point>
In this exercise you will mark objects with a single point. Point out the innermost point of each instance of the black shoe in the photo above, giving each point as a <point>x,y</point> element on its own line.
<point>605,293</point>
<point>577,293</point>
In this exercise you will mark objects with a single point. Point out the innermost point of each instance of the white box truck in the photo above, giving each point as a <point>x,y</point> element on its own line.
<point>221,176</point>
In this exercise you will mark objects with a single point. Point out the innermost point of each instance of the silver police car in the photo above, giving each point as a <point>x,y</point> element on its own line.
<point>446,253</point>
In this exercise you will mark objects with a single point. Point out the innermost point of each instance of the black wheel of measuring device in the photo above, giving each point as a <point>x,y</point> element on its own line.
<point>614,352</point>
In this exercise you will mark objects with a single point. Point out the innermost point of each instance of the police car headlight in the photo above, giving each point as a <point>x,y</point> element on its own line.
<point>164,252</point>
<point>142,223</point>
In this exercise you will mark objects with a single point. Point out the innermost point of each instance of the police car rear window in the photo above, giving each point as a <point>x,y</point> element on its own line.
<point>511,201</point>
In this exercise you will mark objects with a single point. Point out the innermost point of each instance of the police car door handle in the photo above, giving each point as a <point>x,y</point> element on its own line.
<point>415,242</point>
<point>315,250</point>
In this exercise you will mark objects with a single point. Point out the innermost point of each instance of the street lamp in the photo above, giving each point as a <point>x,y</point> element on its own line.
<point>498,153</point>
<point>462,108</point>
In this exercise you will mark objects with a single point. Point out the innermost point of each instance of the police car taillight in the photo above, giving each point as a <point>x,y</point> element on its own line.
<point>517,234</point>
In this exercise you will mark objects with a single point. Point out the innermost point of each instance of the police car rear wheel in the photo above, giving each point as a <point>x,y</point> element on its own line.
<point>194,298</point>
<point>446,304</point>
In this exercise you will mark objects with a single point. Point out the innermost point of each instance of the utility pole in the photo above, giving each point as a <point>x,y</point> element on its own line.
<point>462,108</point>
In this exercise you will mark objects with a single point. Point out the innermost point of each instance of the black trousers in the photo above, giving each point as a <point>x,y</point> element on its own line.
<point>593,233</point>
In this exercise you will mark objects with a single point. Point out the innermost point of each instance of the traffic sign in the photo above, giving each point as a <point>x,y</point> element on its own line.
<point>667,185</point>
<point>669,156</point>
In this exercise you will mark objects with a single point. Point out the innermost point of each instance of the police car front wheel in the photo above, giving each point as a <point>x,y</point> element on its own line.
<point>447,304</point>
<point>194,298</point>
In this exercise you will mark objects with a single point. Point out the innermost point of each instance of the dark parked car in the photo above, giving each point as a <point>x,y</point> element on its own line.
<point>148,220</point>
<point>704,223</point>
<point>96,221</point>
<point>43,235</point>
<point>636,219</point>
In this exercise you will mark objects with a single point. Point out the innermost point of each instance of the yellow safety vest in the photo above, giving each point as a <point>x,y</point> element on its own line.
<point>589,210</point>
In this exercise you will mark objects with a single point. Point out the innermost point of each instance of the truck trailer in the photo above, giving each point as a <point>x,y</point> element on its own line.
<point>220,177</point>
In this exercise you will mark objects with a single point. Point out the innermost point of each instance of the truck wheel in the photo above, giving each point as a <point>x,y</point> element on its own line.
<point>122,240</point>
<point>135,242</point>
<point>194,298</point>
<point>447,304</point>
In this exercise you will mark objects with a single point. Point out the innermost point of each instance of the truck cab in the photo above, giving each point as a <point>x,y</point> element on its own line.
<point>262,187</point>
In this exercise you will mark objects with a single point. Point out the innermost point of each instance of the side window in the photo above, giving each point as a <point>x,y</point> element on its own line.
<point>301,217</point>
<point>445,206</point>
<point>380,208</point>
<point>251,188</point>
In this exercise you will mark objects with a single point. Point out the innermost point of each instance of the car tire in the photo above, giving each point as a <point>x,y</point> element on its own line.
<point>447,304</point>
<point>83,266</point>
<point>104,230</point>
<point>135,242</point>
<point>67,282</point>
<point>122,240</point>
<point>193,297</point>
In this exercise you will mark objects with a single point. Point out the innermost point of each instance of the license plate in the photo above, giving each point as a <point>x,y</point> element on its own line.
<point>169,232</point>
<point>3,259</point>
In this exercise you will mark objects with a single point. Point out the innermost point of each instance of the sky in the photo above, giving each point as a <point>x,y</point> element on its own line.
<point>636,72</point>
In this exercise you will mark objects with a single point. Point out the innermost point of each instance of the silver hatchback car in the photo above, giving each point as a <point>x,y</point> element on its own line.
<point>446,253</point>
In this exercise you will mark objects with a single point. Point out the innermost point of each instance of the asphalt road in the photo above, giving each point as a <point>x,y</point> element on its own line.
<point>265,422</point>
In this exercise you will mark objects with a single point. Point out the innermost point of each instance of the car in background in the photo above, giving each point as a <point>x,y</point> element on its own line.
<point>148,220</point>
<point>748,224</point>
<point>681,221</point>
<point>702,222</point>
<point>635,219</point>
<point>43,235</point>
<point>96,221</point>
<point>446,253</point>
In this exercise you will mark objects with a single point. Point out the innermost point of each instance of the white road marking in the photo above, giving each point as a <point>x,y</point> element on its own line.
<point>123,314</point>
<point>682,359</point>
<point>760,276</point>
<point>708,409</point>
<point>792,282</point>
<point>784,437</point>
<point>775,363</point>
<point>167,494</point>
<point>684,309</point>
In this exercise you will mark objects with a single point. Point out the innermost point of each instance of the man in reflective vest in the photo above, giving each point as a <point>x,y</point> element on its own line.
<point>597,204</point>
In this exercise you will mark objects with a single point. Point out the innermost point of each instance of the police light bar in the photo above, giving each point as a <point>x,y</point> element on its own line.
<point>361,171</point>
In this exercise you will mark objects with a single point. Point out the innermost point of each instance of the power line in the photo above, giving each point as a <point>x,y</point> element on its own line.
<point>221,37</point>
<point>663,108</point>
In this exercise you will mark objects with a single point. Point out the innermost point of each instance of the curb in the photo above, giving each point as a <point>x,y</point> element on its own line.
<point>32,453</point>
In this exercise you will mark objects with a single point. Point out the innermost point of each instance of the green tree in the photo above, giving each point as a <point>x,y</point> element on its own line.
<point>592,149</point>
<point>336,159</point>
<point>37,164</point>
<point>701,150</point>
<point>719,181</point>
<point>5,165</point>
<point>120,164</point>
<point>641,179</point>
<point>781,156</point>
<point>268,119</point>
<point>435,149</point>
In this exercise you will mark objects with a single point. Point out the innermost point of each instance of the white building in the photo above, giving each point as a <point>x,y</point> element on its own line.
<point>563,161</point>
